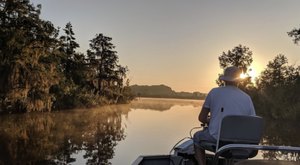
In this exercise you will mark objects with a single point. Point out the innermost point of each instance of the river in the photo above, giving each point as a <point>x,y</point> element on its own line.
<point>115,134</point>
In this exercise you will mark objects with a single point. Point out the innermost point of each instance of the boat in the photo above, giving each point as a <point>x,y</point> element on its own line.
<point>237,142</point>
<point>184,155</point>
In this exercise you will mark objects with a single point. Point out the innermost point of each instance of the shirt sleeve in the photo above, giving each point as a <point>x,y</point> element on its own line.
<point>208,100</point>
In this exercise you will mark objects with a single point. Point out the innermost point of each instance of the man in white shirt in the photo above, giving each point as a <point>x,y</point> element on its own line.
<point>220,102</point>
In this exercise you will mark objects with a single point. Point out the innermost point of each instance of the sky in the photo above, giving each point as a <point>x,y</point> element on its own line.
<point>178,42</point>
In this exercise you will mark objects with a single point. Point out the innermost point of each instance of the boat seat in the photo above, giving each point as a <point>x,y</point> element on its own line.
<point>237,129</point>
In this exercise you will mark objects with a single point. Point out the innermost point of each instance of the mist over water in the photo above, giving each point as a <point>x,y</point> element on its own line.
<point>115,134</point>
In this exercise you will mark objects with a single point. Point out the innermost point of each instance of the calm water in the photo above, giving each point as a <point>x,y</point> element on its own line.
<point>114,134</point>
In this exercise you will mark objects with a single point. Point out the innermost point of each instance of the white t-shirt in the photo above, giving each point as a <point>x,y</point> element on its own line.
<point>223,101</point>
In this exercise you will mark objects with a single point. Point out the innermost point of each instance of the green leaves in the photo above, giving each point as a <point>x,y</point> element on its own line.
<point>278,73</point>
<point>40,70</point>
<point>295,34</point>
<point>241,57</point>
<point>27,51</point>
<point>108,74</point>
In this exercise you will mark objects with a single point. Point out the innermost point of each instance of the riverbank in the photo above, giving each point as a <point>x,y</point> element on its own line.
<point>163,91</point>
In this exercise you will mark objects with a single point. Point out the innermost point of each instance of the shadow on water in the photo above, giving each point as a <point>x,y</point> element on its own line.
<point>52,138</point>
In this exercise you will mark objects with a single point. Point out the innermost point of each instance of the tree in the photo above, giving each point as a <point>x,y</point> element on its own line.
<point>278,73</point>
<point>38,69</point>
<point>295,33</point>
<point>73,70</point>
<point>241,57</point>
<point>28,55</point>
<point>278,89</point>
<point>68,46</point>
<point>74,64</point>
<point>108,75</point>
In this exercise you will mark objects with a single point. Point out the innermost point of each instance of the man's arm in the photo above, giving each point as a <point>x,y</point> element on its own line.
<point>203,116</point>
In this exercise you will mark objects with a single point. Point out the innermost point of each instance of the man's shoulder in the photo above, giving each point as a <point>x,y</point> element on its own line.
<point>217,89</point>
<point>220,89</point>
<point>229,89</point>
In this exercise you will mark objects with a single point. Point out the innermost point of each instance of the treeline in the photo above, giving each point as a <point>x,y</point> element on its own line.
<point>276,92</point>
<point>163,91</point>
<point>41,70</point>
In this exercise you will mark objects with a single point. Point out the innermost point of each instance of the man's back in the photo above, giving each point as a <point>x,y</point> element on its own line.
<point>223,101</point>
<point>220,102</point>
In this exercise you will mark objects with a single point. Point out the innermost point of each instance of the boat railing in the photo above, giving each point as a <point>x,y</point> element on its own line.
<point>229,147</point>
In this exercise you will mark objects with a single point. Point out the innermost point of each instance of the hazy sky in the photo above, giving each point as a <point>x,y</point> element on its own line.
<point>177,42</point>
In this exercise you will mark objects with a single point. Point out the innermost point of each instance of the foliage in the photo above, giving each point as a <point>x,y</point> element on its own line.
<point>107,75</point>
<point>276,95</point>
<point>73,90</point>
<point>278,87</point>
<point>278,73</point>
<point>278,90</point>
<point>40,71</point>
<point>67,48</point>
<point>241,57</point>
<point>295,33</point>
<point>163,91</point>
<point>28,58</point>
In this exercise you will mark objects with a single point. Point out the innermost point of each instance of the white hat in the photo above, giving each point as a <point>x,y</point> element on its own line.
<point>231,73</point>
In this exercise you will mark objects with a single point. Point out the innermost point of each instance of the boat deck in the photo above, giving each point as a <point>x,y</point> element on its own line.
<point>177,160</point>
<point>184,155</point>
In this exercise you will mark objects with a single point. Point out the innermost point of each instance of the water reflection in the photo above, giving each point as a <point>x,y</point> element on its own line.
<point>52,138</point>
<point>162,104</point>
<point>152,126</point>
<point>281,132</point>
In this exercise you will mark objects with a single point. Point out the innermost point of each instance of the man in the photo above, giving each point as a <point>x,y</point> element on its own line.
<point>220,102</point>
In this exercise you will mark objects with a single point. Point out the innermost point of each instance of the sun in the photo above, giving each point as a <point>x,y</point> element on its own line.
<point>251,72</point>
<point>243,75</point>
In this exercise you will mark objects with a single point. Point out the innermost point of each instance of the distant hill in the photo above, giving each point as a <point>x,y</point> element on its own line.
<point>163,91</point>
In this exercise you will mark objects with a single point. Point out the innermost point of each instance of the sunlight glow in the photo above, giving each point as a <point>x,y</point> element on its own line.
<point>252,73</point>
<point>243,75</point>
